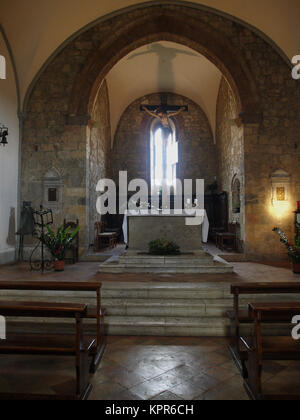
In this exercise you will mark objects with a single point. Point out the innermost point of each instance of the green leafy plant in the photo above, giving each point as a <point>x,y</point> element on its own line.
<point>163,247</point>
<point>293,249</point>
<point>59,242</point>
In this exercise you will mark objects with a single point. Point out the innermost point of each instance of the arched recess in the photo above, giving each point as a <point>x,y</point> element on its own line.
<point>236,195</point>
<point>196,149</point>
<point>58,93</point>
<point>167,25</point>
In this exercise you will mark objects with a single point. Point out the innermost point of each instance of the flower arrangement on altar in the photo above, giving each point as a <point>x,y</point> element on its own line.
<point>163,247</point>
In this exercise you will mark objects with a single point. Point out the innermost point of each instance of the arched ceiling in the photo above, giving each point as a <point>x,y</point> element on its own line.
<point>35,28</point>
<point>163,67</point>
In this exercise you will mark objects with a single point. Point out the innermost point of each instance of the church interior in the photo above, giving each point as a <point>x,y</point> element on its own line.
<point>127,104</point>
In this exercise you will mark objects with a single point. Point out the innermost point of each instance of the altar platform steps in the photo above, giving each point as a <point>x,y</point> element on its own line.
<point>163,309</point>
<point>200,263</point>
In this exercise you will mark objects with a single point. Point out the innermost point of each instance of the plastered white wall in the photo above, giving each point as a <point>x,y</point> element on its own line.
<point>8,160</point>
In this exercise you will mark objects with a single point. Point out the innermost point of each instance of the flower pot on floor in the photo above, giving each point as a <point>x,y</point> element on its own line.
<point>59,265</point>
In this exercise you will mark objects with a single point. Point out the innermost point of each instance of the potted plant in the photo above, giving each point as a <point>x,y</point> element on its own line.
<point>58,243</point>
<point>293,249</point>
<point>163,247</point>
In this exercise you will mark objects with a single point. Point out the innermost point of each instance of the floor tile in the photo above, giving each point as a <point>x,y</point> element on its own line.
<point>156,386</point>
<point>167,396</point>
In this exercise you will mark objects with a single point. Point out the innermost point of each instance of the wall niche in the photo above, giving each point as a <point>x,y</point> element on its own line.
<point>236,195</point>
<point>52,184</point>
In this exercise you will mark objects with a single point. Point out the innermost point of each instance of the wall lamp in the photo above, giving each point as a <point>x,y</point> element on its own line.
<point>3,135</point>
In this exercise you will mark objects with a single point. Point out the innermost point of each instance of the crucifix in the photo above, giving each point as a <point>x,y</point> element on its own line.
<point>164,112</point>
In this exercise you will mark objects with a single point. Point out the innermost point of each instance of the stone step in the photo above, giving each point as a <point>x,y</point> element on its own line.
<point>165,269</point>
<point>181,327</point>
<point>217,292</point>
<point>155,307</point>
<point>145,326</point>
<point>158,261</point>
<point>163,291</point>
<point>119,290</point>
<point>204,308</point>
<point>148,308</point>
<point>197,262</point>
<point>149,290</point>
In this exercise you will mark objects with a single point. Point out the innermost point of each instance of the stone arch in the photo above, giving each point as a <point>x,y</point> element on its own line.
<point>58,103</point>
<point>167,25</point>
<point>136,147</point>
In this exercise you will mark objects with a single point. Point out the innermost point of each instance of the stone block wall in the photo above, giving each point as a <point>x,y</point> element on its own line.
<point>55,128</point>
<point>98,150</point>
<point>230,145</point>
<point>197,152</point>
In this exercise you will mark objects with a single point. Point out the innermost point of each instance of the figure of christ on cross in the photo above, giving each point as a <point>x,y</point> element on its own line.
<point>164,113</point>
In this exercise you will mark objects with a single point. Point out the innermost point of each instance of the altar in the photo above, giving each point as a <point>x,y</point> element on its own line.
<point>189,232</point>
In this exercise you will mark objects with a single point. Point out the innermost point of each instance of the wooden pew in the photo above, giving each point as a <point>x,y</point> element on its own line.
<point>239,317</point>
<point>261,348</point>
<point>93,312</point>
<point>76,345</point>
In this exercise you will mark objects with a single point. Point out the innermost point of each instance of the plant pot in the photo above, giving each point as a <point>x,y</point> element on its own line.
<point>59,265</point>
<point>296,268</point>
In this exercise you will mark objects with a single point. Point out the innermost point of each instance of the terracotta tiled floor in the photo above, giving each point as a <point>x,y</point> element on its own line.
<point>150,368</point>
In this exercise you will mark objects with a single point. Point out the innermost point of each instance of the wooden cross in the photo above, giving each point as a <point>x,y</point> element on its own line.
<point>164,112</point>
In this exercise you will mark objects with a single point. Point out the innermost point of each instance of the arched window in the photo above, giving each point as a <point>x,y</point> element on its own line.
<point>2,67</point>
<point>164,156</point>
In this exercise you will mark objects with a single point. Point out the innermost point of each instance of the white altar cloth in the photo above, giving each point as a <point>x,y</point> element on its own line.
<point>190,220</point>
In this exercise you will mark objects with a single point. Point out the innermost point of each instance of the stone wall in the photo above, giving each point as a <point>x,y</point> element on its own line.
<point>65,153</point>
<point>99,145</point>
<point>56,118</point>
<point>230,145</point>
<point>197,152</point>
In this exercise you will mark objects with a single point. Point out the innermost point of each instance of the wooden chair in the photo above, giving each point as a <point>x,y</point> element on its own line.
<point>240,317</point>
<point>74,250</point>
<point>227,240</point>
<point>50,344</point>
<point>104,239</point>
<point>95,312</point>
<point>261,348</point>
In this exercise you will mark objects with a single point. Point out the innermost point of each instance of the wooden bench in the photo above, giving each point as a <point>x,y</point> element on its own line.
<point>93,312</point>
<point>261,348</point>
<point>239,317</point>
<point>76,345</point>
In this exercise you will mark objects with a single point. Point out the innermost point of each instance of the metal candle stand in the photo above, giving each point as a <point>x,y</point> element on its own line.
<point>42,218</point>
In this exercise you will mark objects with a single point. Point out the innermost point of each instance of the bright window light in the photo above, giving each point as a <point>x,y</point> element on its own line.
<point>164,158</point>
